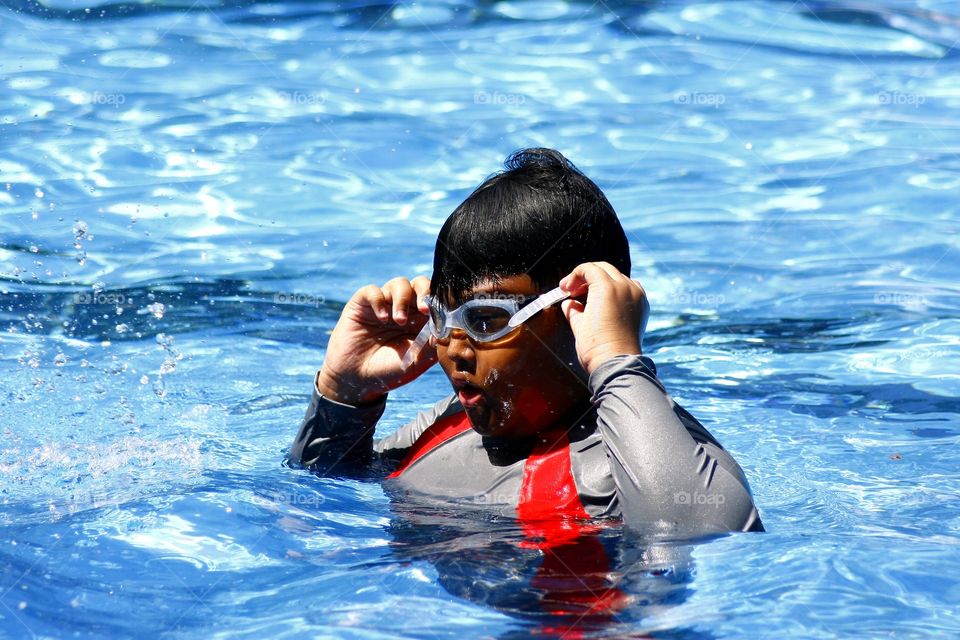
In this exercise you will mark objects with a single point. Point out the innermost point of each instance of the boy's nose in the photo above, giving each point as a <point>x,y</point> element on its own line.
<point>460,347</point>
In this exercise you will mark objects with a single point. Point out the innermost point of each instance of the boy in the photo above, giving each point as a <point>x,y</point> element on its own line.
<point>558,417</point>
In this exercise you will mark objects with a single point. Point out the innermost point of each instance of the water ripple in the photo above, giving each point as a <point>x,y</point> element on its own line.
<point>188,195</point>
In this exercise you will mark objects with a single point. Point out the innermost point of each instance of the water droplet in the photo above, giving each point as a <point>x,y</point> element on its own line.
<point>144,379</point>
<point>157,309</point>
<point>168,366</point>
<point>115,368</point>
<point>34,248</point>
<point>122,328</point>
<point>60,360</point>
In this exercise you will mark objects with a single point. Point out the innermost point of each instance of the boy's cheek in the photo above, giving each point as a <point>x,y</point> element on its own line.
<point>501,372</point>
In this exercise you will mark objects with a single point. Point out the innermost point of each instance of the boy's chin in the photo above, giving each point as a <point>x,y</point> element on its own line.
<point>481,423</point>
<point>493,427</point>
<point>486,424</point>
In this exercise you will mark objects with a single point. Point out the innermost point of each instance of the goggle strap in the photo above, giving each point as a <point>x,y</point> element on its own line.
<point>550,297</point>
<point>417,345</point>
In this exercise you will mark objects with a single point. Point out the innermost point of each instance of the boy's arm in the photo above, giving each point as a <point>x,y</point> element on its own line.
<point>335,435</point>
<point>363,362</point>
<point>670,473</point>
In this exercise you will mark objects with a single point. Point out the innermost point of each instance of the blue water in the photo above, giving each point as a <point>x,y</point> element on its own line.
<point>189,193</point>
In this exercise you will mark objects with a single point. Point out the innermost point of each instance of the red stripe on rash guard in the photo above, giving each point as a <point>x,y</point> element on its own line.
<point>548,494</point>
<point>574,575</point>
<point>549,509</point>
<point>435,435</point>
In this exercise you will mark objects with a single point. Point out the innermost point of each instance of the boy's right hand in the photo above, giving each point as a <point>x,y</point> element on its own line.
<point>376,327</point>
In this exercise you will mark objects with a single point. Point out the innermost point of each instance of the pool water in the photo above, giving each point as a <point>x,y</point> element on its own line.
<point>189,193</point>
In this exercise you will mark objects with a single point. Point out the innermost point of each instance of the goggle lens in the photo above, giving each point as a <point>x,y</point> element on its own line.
<point>486,321</point>
<point>482,322</point>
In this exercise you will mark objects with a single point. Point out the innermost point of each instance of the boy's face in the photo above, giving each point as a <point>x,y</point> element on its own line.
<point>523,383</point>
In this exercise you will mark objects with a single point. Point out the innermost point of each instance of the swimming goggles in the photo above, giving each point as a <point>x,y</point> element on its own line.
<point>482,319</point>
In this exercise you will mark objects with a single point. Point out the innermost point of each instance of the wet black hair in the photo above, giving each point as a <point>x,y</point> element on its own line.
<point>540,216</point>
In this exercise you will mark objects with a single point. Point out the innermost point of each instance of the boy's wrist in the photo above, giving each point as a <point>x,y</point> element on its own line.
<point>610,352</point>
<point>328,387</point>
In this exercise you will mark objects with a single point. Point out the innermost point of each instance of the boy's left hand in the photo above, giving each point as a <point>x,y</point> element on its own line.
<point>612,319</point>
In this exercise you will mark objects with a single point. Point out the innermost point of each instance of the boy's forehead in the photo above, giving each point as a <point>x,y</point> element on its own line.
<point>508,284</point>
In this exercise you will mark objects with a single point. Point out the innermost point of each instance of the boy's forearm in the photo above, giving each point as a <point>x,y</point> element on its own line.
<point>351,394</point>
<point>662,473</point>
<point>334,433</point>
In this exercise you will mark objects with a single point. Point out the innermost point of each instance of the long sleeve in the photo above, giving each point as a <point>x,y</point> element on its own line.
<point>669,472</point>
<point>334,435</point>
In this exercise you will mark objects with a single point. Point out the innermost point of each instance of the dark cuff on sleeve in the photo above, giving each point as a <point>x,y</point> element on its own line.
<point>333,432</point>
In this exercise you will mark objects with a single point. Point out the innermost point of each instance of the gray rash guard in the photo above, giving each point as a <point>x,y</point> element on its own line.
<point>637,456</point>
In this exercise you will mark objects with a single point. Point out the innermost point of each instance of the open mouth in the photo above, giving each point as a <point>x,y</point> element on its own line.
<point>469,395</point>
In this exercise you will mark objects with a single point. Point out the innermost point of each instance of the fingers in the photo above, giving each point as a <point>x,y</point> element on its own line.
<point>396,300</point>
<point>372,296</point>
<point>401,295</point>
<point>421,285</point>
<point>571,308</point>
<point>606,286</point>
<point>592,273</point>
<point>584,275</point>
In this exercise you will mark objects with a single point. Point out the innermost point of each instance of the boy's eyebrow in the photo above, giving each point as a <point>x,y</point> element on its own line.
<point>482,289</point>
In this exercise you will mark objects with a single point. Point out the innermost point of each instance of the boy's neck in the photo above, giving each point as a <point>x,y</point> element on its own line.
<point>575,425</point>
